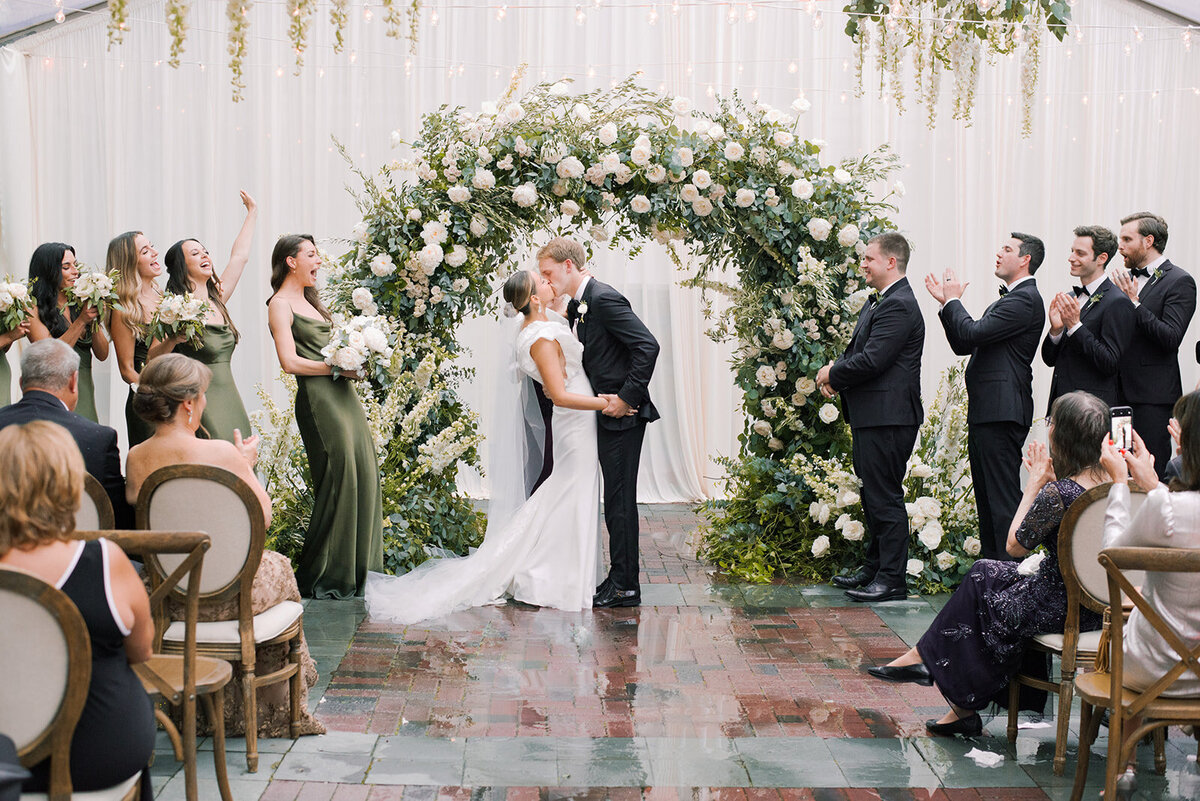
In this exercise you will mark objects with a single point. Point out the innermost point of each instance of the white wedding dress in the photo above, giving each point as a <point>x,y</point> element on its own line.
<point>549,552</point>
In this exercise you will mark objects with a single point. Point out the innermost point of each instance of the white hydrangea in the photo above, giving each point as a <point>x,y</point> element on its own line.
<point>848,235</point>
<point>820,546</point>
<point>640,204</point>
<point>457,256</point>
<point>828,413</point>
<point>819,228</point>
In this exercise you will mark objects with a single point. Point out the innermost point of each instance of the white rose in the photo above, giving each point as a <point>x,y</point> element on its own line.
<point>361,297</point>
<point>841,522</point>
<point>802,189</point>
<point>396,139</point>
<point>828,413</point>
<point>853,531</point>
<point>929,507</point>
<point>656,174</point>
<point>841,176</point>
<point>457,256</point>
<point>766,376</point>
<point>559,89</point>
<point>382,265</point>
<point>800,105</point>
<point>570,167</point>
<point>806,386</point>
<point>898,188</point>
<point>640,155</point>
<point>348,359</point>
<point>489,108</point>
<point>819,228</point>
<point>505,163</point>
<point>640,204</point>
<point>607,133</point>
<point>685,156</point>
<point>762,428</point>
<point>783,139</point>
<point>599,233</point>
<point>945,560</point>
<point>414,215</point>
<point>458,194</point>
<point>702,207</point>
<point>569,207</point>
<point>785,168</point>
<point>460,285</point>
<point>823,512</point>
<point>560,189</point>
<point>514,112</point>
<point>820,546</point>
<point>914,567</point>
<point>921,470</point>
<point>744,197</point>
<point>689,193</point>
<point>681,106</point>
<point>522,147</point>
<point>857,300</point>
<point>702,179</point>
<point>972,546</point>
<point>362,232</point>
<point>611,162</point>
<point>1030,564</point>
<point>483,179</point>
<point>848,235</point>
<point>784,339</point>
<point>582,112</point>
<point>479,225</point>
<point>434,232</point>
<point>931,535</point>
<point>375,339</point>
<point>483,155</point>
<point>525,195</point>
<point>734,151</point>
<point>436,295</point>
<point>847,498</point>
<point>430,256</point>
<point>715,133</point>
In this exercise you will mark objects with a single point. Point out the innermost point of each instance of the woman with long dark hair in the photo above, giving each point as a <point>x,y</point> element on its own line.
<point>52,271</point>
<point>345,533</point>
<point>190,269</point>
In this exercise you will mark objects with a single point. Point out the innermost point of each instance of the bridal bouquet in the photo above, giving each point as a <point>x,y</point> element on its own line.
<point>361,344</point>
<point>93,288</point>
<point>179,316</point>
<point>14,304</point>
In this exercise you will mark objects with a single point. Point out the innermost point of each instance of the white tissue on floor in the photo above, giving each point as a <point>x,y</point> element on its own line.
<point>985,759</point>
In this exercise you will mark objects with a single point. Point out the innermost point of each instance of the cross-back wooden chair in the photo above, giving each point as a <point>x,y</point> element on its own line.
<point>209,498</point>
<point>173,561</point>
<point>1124,566</point>
<point>95,507</point>
<point>46,681</point>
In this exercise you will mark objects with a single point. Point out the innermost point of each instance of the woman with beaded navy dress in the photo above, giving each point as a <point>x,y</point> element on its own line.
<point>52,271</point>
<point>345,533</point>
<point>190,269</point>
<point>978,641</point>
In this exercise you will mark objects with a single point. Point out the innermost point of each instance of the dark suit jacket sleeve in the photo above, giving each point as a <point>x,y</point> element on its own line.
<point>1005,319</point>
<point>1179,304</point>
<point>890,327</point>
<point>614,311</point>
<point>1050,349</point>
<point>1104,351</point>
<point>114,483</point>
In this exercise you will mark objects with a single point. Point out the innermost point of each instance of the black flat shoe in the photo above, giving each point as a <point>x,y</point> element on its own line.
<point>917,674</point>
<point>614,596</point>
<point>877,591</point>
<point>970,726</point>
<point>853,580</point>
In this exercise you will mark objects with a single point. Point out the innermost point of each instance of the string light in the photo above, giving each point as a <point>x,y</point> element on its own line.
<point>751,12</point>
<point>675,7</point>
<point>732,16</point>
<point>501,13</point>
<point>818,21</point>
<point>580,17</point>
<point>433,18</point>
<point>793,68</point>
<point>652,15</point>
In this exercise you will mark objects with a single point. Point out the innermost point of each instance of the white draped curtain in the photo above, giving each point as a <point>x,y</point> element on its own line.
<point>95,141</point>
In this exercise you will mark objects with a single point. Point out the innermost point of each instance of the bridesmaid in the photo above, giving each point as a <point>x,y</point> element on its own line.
<point>6,340</point>
<point>137,266</point>
<point>190,269</point>
<point>52,272</point>
<point>345,533</point>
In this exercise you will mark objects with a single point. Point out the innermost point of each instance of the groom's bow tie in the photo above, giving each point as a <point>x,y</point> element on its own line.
<point>572,308</point>
<point>1080,290</point>
<point>1003,290</point>
<point>1140,272</point>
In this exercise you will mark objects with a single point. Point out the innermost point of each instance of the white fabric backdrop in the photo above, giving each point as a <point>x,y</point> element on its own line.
<point>94,142</point>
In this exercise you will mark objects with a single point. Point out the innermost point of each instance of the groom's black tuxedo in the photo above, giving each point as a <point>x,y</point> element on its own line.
<point>618,357</point>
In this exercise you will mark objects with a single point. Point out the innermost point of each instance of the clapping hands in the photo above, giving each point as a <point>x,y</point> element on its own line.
<point>247,447</point>
<point>949,288</point>
<point>1037,462</point>
<point>1064,312</point>
<point>1125,282</point>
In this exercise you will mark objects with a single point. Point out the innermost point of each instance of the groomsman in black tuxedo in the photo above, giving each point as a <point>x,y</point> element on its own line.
<point>879,379</point>
<point>1001,344</point>
<point>1089,330</point>
<point>1164,300</point>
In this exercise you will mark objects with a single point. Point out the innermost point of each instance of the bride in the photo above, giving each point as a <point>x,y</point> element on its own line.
<point>545,550</point>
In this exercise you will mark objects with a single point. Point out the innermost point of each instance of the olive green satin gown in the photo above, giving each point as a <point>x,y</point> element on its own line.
<point>5,379</point>
<point>87,388</point>
<point>139,429</point>
<point>224,411</point>
<point>345,534</point>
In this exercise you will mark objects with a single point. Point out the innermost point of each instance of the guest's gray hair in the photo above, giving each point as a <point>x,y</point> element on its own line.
<point>48,364</point>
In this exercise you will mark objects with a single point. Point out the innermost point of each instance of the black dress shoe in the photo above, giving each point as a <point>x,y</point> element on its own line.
<point>604,585</point>
<point>614,596</point>
<point>917,674</point>
<point>877,591</point>
<point>851,580</point>
<point>970,726</point>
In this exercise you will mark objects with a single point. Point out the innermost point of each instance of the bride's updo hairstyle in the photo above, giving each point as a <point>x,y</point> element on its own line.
<point>167,381</point>
<point>519,290</point>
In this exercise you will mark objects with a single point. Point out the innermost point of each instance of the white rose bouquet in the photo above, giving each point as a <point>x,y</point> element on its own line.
<point>179,316</point>
<point>93,288</point>
<point>14,304</point>
<point>361,344</point>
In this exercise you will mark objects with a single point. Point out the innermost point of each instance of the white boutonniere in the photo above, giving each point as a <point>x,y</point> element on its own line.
<point>583,309</point>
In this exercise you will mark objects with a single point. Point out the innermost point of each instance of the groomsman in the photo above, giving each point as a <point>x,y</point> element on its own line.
<point>879,378</point>
<point>1164,300</point>
<point>1089,330</point>
<point>1001,344</point>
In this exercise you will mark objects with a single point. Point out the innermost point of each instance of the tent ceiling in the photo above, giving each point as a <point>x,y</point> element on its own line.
<point>18,16</point>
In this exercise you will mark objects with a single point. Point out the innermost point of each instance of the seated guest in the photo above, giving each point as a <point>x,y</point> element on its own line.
<point>170,398</point>
<point>977,642</point>
<point>40,493</point>
<point>50,391</point>
<point>1167,519</point>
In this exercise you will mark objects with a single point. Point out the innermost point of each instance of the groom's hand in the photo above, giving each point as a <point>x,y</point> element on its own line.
<point>617,407</point>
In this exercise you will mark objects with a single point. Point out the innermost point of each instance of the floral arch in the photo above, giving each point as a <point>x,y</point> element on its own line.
<point>739,189</point>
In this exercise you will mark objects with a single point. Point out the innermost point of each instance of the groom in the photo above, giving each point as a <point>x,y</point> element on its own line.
<point>618,357</point>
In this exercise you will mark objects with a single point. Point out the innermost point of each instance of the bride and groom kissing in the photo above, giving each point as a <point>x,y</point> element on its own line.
<point>545,549</point>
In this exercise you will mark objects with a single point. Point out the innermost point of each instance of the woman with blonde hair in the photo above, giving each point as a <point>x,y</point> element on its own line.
<point>171,398</point>
<point>39,497</point>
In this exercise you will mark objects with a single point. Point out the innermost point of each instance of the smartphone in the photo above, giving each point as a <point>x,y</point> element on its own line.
<point>1122,427</point>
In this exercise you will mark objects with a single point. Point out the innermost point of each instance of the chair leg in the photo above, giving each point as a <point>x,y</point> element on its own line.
<point>1088,727</point>
<point>189,748</point>
<point>1014,695</point>
<point>1114,765</point>
<point>1066,694</point>
<point>1160,750</point>
<point>250,713</point>
<point>164,720</point>
<point>294,685</point>
<point>214,706</point>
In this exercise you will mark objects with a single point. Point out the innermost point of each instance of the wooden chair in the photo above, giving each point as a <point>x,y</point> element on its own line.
<point>95,507</point>
<point>1079,537</point>
<point>1124,567</point>
<point>46,681</point>
<point>173,560</point>
<point>215,500</point>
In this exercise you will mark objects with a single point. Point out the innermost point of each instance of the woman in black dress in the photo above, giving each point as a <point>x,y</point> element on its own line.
<point>978,641</point>
<point>38,499</point>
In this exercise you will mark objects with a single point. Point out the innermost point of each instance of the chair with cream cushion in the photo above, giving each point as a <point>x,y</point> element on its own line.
<point>46,682</point>
<point>207,498</point>
<point>95,508</point>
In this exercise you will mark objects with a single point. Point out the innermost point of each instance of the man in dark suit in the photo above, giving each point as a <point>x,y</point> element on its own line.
<point>879,379</point>
<point>1164,300</point>
<point>618,356</point>
<point>1089,330</point>
<point>50,390</point>
<point>1001,344</point>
